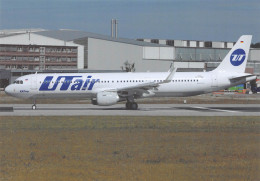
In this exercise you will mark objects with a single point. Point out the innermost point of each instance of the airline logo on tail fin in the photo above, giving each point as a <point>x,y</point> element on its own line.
<point>237,57</point>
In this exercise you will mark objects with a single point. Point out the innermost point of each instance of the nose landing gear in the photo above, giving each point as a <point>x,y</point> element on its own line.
<point>34,105</point>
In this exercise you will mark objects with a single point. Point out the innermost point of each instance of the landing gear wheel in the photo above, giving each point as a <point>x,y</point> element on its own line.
<point>34,107</point>
<point>134,106</point>
<point>128,105</point>
<point>131,106</point>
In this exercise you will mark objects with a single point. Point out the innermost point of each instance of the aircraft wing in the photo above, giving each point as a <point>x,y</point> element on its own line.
<point>144,86</point>
<point>141,88</point>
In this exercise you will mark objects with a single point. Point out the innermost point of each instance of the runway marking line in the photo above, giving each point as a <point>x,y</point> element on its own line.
<point>221,110</point>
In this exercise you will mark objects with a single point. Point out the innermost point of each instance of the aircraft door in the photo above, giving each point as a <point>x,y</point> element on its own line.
<point>34,82</point>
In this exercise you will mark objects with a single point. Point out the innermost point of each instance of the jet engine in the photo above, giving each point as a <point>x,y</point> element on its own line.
<point>106,99</point>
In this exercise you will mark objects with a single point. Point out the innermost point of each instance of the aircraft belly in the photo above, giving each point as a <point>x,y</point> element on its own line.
<point>177,94</point>
<point>182,90</point>
<point>64,95</point>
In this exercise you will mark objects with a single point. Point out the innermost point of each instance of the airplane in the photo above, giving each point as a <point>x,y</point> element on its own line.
<point>105,89</point>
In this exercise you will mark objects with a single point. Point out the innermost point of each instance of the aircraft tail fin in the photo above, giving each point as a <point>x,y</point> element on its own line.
<point>236,59</point>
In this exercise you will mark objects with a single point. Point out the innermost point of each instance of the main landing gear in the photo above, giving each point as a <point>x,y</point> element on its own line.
<point>131,105</point>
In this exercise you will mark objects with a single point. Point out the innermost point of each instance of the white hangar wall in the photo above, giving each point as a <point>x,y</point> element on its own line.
<point>153,66</point>
<point>111,55</point>
<point>255,54</point>
<point>158,53</point>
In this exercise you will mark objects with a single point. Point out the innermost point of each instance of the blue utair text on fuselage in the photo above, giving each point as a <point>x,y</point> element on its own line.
<point>78,84</point>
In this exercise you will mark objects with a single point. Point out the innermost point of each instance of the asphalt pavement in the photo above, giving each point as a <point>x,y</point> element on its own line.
<point>119,110</point>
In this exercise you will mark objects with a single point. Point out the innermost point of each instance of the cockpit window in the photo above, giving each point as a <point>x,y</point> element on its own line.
<point>18,82</point>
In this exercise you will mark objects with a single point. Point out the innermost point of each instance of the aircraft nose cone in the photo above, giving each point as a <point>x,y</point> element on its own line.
<point>8,90</point>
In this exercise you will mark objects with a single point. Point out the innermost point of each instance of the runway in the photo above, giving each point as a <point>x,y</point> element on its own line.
<point>119,110</point>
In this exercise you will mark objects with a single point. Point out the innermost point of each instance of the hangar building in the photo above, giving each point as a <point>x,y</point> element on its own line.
<point>26,51</point>
<point>69,49</point>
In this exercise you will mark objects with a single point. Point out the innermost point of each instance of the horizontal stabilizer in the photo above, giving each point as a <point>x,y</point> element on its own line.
<point>236,78</point>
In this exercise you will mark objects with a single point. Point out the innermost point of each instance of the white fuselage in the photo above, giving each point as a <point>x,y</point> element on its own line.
<point>87,85</point>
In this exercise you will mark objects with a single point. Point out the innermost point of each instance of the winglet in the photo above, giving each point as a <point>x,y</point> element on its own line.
<point>171,74</point>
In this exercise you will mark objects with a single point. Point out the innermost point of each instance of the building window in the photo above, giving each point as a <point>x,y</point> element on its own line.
<point>208,44</point>
<point>155,41</point>
<point>170,42</point>
<point>225,44</point>
<point>2,57</point>
<point>2,49</point>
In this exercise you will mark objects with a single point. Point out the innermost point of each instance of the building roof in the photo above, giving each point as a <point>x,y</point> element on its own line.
<point>71,35</point>
<point>13,32</point>
<point>7,35</point>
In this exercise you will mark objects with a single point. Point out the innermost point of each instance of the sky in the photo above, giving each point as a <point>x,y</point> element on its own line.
<point>206,20</point>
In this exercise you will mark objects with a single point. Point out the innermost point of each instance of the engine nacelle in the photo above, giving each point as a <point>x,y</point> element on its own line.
<point>107,98</point>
